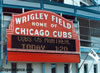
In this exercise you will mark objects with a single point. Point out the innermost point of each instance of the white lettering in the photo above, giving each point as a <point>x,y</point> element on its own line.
<point>59,34</point>
<point>55,34</point>
<point>33,23</point>
<point>27,31</point>
<point>36,32</point>
<point>36,16</point>
<point>56,19</point>
<point>23,19</point>
<point>31,31</point>
<point>16,30</point>
<point>46,16</point>
<point>46,32</point>
<point>28,17</point>
<point>68,26</point>
<point>32,16</point>
<point>69,35</point>
<point>42,32</point>
<point>65,34</point>
<point>23,31</point>
<point>41,15</point>
<point>39,24</point>
<point>53,18</point>
<point>18,20</point>
<point>60,21</point>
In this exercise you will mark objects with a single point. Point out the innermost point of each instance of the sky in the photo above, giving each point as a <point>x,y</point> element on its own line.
<point>99,1</point>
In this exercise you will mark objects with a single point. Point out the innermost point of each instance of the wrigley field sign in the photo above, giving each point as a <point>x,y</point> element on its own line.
<point>41,31</point>
<point>42,43</point>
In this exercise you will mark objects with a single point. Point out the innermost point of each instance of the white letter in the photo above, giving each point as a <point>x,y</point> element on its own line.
<point>23,19</point>
<point>31,31</point>
<point>68,26</point>
<point>56,19</point>
<point>41,15</point>
<point>46,16</point>
<point>53,18</point>
<point>64,24</point>
<point>69,35</point>
<point>28,18</point>
<point>36,32</point>
<point>27,31</point>
<point>41,24</point>
<point>33,23</point>
<point>37,24</point>
<point>59,34</point>
<point>23,31</point>
<point>32,16</point>
<point>16,30</point>
<point>54,33</point>
<point>60,21</point>
<point>41,32</point>
<point>36,16</point>
<point>18,20</point>
<point>46,33</point>
<point>65,34</point>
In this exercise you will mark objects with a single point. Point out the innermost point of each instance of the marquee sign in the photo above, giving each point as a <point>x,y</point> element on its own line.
<point>42,43</point>
<point>42,31</point>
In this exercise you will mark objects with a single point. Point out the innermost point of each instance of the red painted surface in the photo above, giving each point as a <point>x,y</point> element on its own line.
<point>41,57</point>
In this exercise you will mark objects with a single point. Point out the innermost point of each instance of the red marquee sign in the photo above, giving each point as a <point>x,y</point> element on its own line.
<point>44,34</point>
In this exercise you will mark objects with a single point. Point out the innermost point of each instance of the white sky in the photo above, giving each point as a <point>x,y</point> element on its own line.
<point>99,1</point>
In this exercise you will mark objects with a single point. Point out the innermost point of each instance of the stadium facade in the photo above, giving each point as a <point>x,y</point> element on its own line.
<point>25,58</point>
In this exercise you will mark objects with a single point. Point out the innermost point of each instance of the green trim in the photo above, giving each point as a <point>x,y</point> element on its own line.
<point>0,32</point>
<point>76,8</point>
<point>43,68</point>
<point>88,50</point>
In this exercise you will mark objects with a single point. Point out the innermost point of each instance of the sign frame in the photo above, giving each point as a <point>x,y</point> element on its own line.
<point>16,29</point>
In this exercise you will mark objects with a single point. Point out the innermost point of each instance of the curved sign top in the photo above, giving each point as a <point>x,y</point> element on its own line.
<point>42,23</point>
<point>42,36</point>
<point>44,31</point>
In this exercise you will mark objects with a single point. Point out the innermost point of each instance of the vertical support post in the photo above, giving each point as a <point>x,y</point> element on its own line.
<point>78,68</point>
<point>23,10</point>
<point>76,22</point>
<point>42,5</point>
<point>0,33</point>
<point>43,68</point>
<point>70,68</point>
<point>75,12</point>
<point>60,14</point>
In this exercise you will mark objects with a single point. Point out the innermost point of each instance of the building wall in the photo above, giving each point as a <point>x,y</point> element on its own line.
<point>0,34</point>
<point>72,2</point>
<point>47,68</point>
<point>60,68</point>
<point>78,2</point>
<point>90,63</point>
<point>38,67</point>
